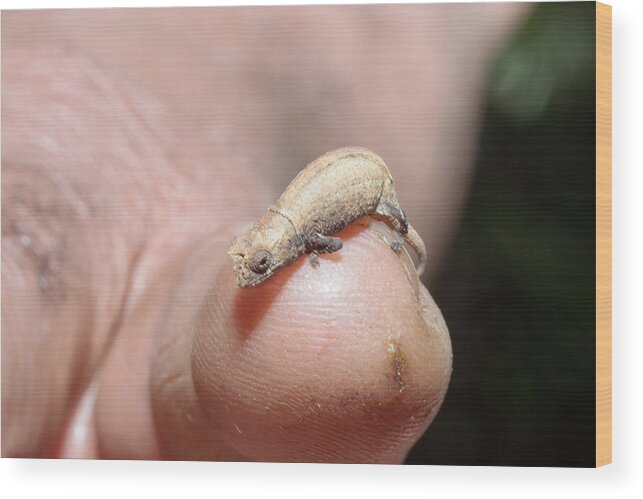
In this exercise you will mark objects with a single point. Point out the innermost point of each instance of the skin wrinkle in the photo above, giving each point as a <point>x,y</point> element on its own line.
<point>57,214</point>
<point>30,210</point>
<point>54,234</point>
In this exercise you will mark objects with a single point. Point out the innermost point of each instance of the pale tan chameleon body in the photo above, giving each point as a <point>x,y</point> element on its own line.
<point>329,194</point>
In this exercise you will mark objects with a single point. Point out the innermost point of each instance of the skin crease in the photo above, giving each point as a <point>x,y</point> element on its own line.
<point>123,187</point>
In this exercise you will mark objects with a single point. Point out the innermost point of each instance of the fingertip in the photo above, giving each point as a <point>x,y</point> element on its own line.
<point>333,363</point>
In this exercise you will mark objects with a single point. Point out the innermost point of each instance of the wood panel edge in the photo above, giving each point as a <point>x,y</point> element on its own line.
<point>603,234</point>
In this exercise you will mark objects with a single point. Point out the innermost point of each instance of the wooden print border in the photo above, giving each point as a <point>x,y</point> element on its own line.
<point>603,234</point>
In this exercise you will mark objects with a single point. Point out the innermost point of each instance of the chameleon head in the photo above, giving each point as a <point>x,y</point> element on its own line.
<point>255,257</point>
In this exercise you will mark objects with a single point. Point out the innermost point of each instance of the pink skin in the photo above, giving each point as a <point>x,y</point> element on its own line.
<point>123,186</point>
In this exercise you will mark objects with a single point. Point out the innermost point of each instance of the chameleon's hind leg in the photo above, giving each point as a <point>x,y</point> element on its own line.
<point>395,216</point>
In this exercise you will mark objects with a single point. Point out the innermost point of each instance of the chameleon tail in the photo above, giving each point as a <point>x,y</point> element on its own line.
<point>415,241</point>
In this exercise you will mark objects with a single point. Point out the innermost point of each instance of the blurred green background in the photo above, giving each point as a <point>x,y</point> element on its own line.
<point>518,289</point>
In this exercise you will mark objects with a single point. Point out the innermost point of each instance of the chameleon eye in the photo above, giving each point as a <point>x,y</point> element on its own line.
<point>260,261</point>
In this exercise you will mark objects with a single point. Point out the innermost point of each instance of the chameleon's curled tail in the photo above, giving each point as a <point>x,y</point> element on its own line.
<point>415,241</point>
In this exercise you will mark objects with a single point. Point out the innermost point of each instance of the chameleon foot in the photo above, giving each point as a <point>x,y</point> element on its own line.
<point>397,245</point>
<point>313,259</point>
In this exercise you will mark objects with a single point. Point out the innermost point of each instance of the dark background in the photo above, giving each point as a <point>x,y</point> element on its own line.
<point>518,286</point>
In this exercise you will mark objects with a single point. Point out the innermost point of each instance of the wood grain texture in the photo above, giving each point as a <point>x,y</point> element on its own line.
<point>603,234</point>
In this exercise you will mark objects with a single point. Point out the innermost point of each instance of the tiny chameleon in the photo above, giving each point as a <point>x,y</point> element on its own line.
<point>329,194</point>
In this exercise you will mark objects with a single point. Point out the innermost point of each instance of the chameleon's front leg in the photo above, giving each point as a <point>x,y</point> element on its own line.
<point>318,243</point>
